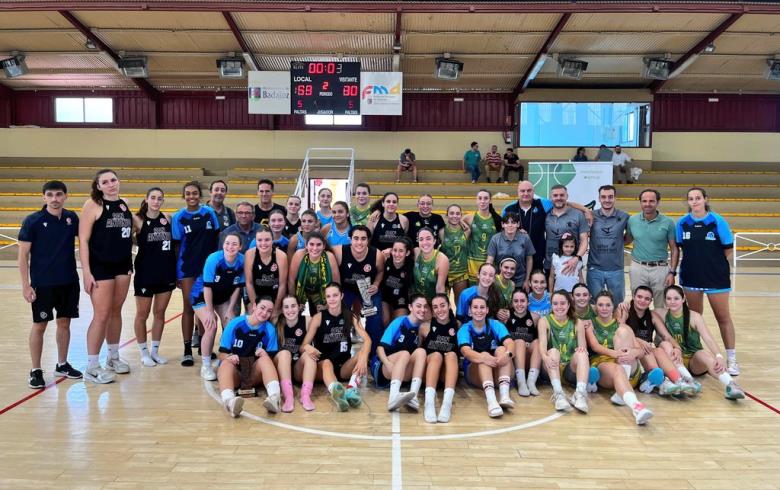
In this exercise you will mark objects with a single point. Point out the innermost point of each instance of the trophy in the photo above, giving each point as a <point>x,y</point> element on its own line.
<point>245,388</point>
<point>368,306</point>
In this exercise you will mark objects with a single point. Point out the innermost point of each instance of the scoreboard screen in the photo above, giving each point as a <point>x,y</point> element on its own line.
<point>325,87</point>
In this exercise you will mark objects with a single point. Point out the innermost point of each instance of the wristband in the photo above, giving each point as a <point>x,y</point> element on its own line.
<point>719,355</point>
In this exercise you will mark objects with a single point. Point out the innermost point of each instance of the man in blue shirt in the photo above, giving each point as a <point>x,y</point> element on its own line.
<point>471,160</point>
<point>47,264</point>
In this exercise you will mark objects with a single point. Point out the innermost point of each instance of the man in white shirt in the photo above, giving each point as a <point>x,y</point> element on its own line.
<point>619,168</point>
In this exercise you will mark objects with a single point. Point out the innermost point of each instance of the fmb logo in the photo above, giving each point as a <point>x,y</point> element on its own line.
<point>380,90</point>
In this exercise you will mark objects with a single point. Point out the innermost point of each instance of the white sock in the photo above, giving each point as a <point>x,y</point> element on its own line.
<point>725,378</point>
<point>503,387</point>
<point>354,381</point>
<point>556,385</point>
<point>449,394</point>
<point>627,369</point>
<point>731,354</point>
<point>207,361</point>
<point>143,349</point>
<point>395,388</point>
<point>430,395</point>
<point>684,371</point>
<point>630,398</point>
<point>533,375</point>
<point>582,386</point>
<point>490,392</point>
<point>113,351</point>
<point>520,377</point>
<point>415,386</point>
<point>93,361</point>
<point>332,386</point>
<point>272,387</point>
<point>228,395</point>
<point>155,345</point>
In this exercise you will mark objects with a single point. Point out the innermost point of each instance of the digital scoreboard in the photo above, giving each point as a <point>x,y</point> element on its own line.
<point>325,87</point>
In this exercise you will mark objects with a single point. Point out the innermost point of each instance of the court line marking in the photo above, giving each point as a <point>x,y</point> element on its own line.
<point>60,380</point>
<point>209,386</point>
<point>762,402</point>
<point>397,481</point>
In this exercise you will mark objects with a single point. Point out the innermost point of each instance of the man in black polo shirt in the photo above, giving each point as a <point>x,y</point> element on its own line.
<point>47,264</point>
<point>266,204</point>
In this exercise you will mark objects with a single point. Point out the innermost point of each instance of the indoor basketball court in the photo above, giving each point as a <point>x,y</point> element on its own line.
<point>324,96</point>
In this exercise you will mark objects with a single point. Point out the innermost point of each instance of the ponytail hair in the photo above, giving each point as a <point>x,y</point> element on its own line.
<point>685,308</point>
<point>145,205</point>
<point>96,194</point>
<point>379,204</point>
<point>703,194</point>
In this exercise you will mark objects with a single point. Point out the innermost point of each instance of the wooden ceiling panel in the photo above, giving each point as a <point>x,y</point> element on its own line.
<point>299,21</point>
<point>59,40</point>
<point>152,20</point>
<point>478,22</point>
<point>291,43</point>
<point>453,42</point>
<point>733,65</point>
<point>162,40</point>
<point>698,83</point>
<point>491,65</point>
<point>757,23</point>
<point>32,20</point>
<point>625,43</point>
<point>606,22</point>
<point>747,43</point>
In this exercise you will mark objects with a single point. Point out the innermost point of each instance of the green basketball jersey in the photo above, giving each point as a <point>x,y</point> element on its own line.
<point>425,275</point>
<point>562,337</point>
<point>454,247</point>
<point>482,230</point>
<point>675,326</point>
<point>358,217</point>
<point>605,334</point>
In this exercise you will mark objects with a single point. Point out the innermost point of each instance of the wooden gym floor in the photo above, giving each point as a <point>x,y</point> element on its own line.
<point>162,428</point>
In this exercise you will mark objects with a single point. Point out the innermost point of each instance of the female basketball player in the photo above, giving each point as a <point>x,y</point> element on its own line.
<point>505,281</point>
<point>689,331</point>
<point>539,298</point>
<point>276,223</point>
<point>325,213</point>
<point>265,270</point>
<point>155,273</point>
<point>388,225</point>
<point>311,270</point>
<point>706,243</point>
<point>430,266</point>
<point>291,330</point>
<point>327,353</point>
<point>397,280</point>
<point>454,244</point>
<point>105,237</point>
<point>358,262</point>
<point>564,351</point>
<point>616,355</point>
<point>337,231</point>
<point>439,339</point>
<point>487,350</point>
<point>486,287</point>
<point>308,224</point>
<point>216,293</point>
<point>250,335</point>
<point>359,211</point>
<point>522,328</point>
<point>484,223</point>
<point>194,229</point>
<point>400,358</point>
<point>292,220</point>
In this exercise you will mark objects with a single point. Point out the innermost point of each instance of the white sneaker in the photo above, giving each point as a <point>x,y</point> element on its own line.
<point>414,404</point>
<point>617,400</point>
<point>533,390</point>
<point>494,409</point>
<point>523,390</point>
<point>580,401</point>
<point>668,388</point>
<point>642,414</point>
<point>273,404</point>
<point>399,400</point>
<point>118,365</point>
<point>99,375</point>
<point>430,413</point>
<point>734,392</point>
<point>560,401</point>
<point>506,402</point>
<point>234,406</point>
<point>689,387</point>
<point>148,361</point>
<point>207,373</point>
<point>732,367</point>
<point>445,412</point>
<point>592,388</point>
<point>158,358</point>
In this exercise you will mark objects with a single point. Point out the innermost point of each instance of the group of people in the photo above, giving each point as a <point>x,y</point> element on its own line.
<point>368,275</point>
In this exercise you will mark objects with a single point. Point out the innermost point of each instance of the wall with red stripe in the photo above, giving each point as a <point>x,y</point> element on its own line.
<point>716,112</point>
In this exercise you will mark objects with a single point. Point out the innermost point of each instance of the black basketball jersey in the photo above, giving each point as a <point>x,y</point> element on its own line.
<point>111,240</point>
<point>155,262</point>
<point>385,232</point>
<point>442,337</point>
<point>293,337</point>
<point>522,328</point>
<point>396,283</point>
<point>333,337</point>
<point>265,277</point>
<point>643,327</point>
<point>351,269</point>
<point>290,229</point>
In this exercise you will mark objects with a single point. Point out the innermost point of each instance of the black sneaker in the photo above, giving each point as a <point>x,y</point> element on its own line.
<point>36,380</point>
<point>65,370</point>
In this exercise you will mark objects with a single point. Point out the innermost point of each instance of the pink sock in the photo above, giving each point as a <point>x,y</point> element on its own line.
<point>289,396</point>
<point>306,389</point>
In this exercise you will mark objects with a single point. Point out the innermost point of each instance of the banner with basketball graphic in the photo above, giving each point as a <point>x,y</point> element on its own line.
<point>582,179</point>
<point>381,93</point>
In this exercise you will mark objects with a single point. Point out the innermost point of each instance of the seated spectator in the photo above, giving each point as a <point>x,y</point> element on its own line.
<point>604,154</point>
<point>580,156</point>
<point>620,170</point>
<point>512,164</point>
<point>407,162</point>
<point>493,161</point>
<point>471,161</point>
